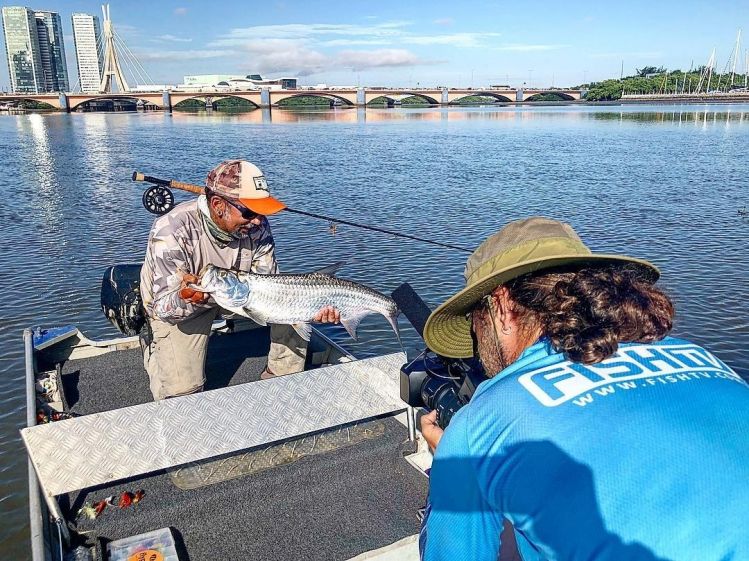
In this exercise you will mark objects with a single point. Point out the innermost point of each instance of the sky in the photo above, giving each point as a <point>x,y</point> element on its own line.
<point>412,44</point>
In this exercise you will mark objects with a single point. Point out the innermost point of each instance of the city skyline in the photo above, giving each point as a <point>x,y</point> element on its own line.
<point>408,46</point>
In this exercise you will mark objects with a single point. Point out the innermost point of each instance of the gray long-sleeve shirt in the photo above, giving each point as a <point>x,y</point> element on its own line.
<point>179,243</point>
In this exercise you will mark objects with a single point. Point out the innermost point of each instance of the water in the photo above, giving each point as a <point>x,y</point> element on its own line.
<point>662,183</point>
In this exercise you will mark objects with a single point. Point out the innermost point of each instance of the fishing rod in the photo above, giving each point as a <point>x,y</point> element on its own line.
<point>159,199</point>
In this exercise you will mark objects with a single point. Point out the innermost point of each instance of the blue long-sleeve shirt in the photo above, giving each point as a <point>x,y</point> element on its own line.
<point>643,456</point>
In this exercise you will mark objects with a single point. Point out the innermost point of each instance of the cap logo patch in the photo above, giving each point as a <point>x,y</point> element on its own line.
<point>260,183</point>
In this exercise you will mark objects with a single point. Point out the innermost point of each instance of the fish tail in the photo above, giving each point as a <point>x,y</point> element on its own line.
<point>393,320</point>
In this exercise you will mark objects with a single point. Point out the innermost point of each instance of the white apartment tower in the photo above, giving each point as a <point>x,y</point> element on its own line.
<point>88,51</point>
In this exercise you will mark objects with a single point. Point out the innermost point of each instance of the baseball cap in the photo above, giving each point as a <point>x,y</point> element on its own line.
<point>243,181</point>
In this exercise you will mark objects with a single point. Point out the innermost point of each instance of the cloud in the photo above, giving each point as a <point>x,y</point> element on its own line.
<point>125,29</point>
<point>314,31</point>
<point>183,55</point>
<point>461,40</point>
<point>172,38</point>
<point>390,33</point>
<point>283,55</point>
<point>521,47</point>
<point>353,42</point>
<point>180,11</point>
<point>306,49</point>
<point>362,60</point>
<point>443,21</point>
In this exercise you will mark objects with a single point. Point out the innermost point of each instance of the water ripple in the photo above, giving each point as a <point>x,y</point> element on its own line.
<point>658,183</point>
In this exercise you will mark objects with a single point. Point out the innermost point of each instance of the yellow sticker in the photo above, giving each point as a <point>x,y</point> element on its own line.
<point>147,555</point>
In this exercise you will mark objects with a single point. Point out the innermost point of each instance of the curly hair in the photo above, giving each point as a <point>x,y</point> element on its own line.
<point>587,312</point>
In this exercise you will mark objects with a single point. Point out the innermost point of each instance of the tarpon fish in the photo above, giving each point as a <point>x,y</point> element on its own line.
<point>295,299</point>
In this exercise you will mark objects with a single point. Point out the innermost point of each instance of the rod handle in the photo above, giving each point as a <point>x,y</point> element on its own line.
<point>189,187</point>
<point>197,189</point>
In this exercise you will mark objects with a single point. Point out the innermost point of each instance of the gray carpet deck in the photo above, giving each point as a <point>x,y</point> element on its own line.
<point>330,506</point>
<point>327,507</point>
<point>118,379</point>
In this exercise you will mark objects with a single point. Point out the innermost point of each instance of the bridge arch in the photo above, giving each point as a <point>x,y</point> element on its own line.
<point>76,103</point>
<point>278,100</point>
<point>47,105</point>
<point>540,96</point>
<point>388,100</point>
<point>430,100</point>
<point>479,93</point>
<point>212,99</point>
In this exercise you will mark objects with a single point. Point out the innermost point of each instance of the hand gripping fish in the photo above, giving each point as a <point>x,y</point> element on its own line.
<point>295,299</point>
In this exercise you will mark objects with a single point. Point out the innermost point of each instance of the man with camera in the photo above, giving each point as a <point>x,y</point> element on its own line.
<point>596,436</point>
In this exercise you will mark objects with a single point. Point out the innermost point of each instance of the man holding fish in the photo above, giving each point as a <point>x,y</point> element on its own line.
<point>226,227</point>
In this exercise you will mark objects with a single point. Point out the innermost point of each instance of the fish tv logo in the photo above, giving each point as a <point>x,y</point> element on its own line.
<point>560,383</point>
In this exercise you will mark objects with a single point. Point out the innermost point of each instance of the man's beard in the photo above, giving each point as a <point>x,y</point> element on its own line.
<point>492,354</point>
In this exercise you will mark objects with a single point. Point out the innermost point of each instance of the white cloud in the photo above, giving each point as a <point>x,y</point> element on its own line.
<point>392,33</point>
<point>443,21</point>
<point>362,60</point>
<point>282,55</point>
<point>237,36</point>
<point>306,49</point>
<point>172,38</point>
<point>183,55</point>
<point>462,40</point>
<point>180,11</point>
<point>352,42</point>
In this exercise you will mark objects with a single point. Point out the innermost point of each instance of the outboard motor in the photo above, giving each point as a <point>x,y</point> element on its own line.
<point>121,301</point>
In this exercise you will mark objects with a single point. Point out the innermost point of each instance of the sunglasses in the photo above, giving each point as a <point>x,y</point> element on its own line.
<point>246,213</point>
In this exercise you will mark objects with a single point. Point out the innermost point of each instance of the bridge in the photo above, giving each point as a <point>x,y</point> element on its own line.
<point>355,97</point>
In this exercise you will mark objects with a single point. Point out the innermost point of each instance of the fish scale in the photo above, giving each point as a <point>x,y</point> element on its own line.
<point>295,299</point>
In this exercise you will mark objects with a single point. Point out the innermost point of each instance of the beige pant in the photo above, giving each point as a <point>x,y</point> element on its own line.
<point>175,359</point>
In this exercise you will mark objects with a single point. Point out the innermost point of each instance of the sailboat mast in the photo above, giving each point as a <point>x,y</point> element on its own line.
<point>735,57</point>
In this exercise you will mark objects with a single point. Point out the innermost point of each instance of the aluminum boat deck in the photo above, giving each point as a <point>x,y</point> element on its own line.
<point>348,493</point>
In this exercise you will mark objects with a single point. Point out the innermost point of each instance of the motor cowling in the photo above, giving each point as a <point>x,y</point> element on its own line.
<point>121,300</point>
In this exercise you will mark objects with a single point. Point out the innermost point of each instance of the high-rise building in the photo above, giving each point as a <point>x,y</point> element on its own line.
<point>22,50</point>
<point>52,49</point>
<point>88,51</point>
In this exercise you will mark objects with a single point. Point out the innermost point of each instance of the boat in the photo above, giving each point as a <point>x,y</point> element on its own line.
<point>323,464</point>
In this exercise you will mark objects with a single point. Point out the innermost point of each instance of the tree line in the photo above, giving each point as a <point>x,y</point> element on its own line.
<point>658,80</point>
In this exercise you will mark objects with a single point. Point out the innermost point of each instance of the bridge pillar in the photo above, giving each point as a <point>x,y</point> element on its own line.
<point>445,98</point>
<point>583,93</point>
<point>166,100</point>
<point>265,97</point>
<point>64,105</point>
<point>519,94</point>
<point>361,98</point>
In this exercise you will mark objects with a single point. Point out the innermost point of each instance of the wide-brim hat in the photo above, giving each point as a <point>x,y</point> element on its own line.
<point>521,247</point>
<point>243,181</point>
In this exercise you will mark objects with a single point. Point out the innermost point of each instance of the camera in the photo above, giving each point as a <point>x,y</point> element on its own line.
<point>429,380</point>
<point>438,383</point>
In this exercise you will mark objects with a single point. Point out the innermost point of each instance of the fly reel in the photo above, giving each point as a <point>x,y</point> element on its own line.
<point>158,199</point>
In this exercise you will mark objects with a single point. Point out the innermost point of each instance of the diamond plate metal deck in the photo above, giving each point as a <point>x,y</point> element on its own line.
<point>103,447</point>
